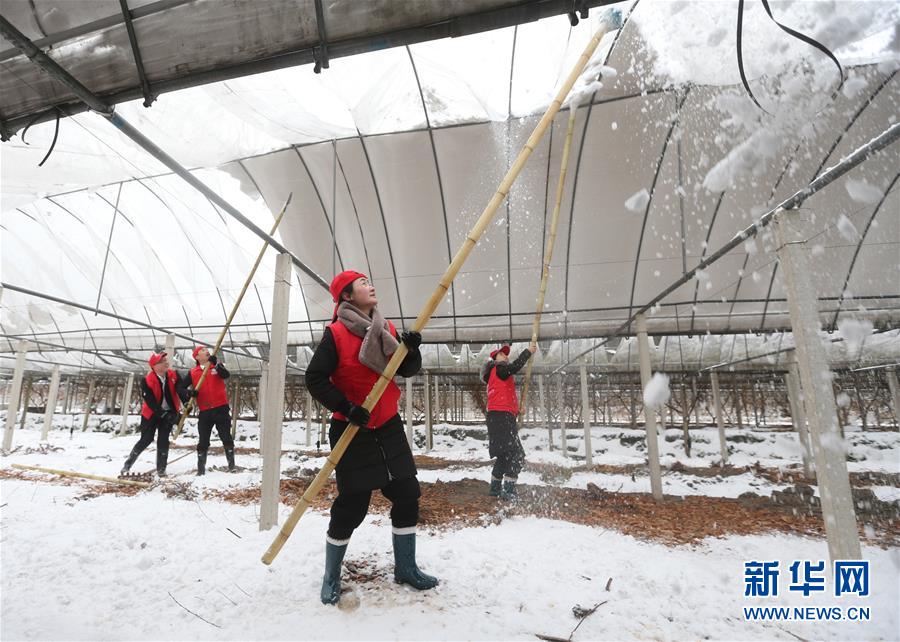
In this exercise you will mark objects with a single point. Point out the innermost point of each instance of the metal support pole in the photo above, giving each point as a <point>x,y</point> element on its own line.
<point>815,377</point>
<point>649,413</point>
<point>50,409</point>
<point>12,407</point>
<point>274,401</point>
<point>586,419</point>
<point>429,437</point>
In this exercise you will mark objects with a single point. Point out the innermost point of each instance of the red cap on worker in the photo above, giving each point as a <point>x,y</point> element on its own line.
<point>504,349</point>
<point>156,357</point>
<point>338,284</point>
<point>196,350</point>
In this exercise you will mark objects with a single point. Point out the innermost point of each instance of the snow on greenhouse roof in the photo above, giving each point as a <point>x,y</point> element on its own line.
<point>391,155</point>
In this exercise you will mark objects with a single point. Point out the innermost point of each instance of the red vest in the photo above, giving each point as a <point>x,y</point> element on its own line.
<point>153,383</point>
<point>212,393</point>
<point>356,380</point>
<point>502,394</point>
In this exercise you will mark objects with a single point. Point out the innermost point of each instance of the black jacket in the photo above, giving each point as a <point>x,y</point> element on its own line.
<point>505,369</point>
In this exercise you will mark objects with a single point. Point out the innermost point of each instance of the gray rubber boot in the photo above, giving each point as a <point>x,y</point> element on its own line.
<point>495,487</point>
<point>405,569</point>
<point>331,583</point>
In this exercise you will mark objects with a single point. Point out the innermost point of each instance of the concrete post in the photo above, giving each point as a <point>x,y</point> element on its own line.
<point>895,393</point>
<point>649,413</point>
<point>720,419</point>
<point>544,411</point>
<point>13,406</point>
<point>586,419</point>
<point>409,411</point>
<point>126,403</point>
<point>562,415</point>
<point>429,437</point>
<point>273,416</point>
<point>26,398</point>
<point>52,395</point>
<point>815,379</point>
<point>798,415</point>
<point>88,403</point>
<point>309,416</point>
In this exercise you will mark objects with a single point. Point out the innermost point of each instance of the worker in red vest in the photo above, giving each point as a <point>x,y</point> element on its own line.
<point>502,412</point>
<point>212,406</point>
<point>354,351</point>
<point>163,391</point>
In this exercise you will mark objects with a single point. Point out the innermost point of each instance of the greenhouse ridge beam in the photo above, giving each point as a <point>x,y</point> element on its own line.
<point>884,139</point>
<point>523,12</point>
<point>46,63</point>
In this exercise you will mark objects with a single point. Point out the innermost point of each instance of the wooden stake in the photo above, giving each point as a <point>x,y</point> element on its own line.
<point>190,404</point>
<point>443,286</point>
<point>545,273</point>
<point>69,473</point>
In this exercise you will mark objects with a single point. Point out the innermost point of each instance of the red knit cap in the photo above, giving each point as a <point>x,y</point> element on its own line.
<point>196,350</point>
<point>156,357</point>
<point>338,284</point>
<point>504,350</point>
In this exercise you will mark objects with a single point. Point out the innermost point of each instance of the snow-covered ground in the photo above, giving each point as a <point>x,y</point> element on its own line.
<point>118,567</point>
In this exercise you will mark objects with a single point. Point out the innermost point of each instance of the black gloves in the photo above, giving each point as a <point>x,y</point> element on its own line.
<point>358,415</point>
<point>213,359</point>
<point>193,392</point>
<point>169,417</point>
<point>412,339</point>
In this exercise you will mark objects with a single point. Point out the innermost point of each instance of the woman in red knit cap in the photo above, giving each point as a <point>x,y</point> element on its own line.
<point>354,351</point>
<point>212,407</point>
<point>502,412</point>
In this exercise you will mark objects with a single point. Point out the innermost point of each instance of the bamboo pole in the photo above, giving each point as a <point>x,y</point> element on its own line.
<point>545,273</point>
<point>190,404</point>
<point>612,20</point>
<point>69,473</point>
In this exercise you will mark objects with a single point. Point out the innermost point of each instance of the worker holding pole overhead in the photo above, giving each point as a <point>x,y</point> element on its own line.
<point>502,411</point>
<point>212,402</point>
<point>163,392</point>
<point>354,351</point>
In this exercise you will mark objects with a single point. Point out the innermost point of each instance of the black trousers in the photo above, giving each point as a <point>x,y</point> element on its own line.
<point>349,510</point>
<point>149,428</point>
<point>504,444</point>
<point>221,419</point>
<point>377,459</point>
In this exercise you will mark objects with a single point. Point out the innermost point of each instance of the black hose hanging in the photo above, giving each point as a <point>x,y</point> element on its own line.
<point>55,134</point>
<point>804,38</point>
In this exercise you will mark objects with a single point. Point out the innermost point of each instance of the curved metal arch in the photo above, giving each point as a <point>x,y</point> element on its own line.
<point>856,252</point>
<point>709,230</point>
<point>437,170</point>
<point>322,205</point>
<point>299,284</point>
<point>825,158</point>
<point>577,171</point>
<point>662,158</point>
<point>387,237</point>
<point>355,213</point>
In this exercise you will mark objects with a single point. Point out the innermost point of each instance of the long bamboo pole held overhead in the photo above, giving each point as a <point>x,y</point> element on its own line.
<point>237,303</point>
<point>545,273</point>
<point>611,21</point>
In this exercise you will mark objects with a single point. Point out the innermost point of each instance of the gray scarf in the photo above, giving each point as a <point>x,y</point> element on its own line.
<point>378,343</point>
